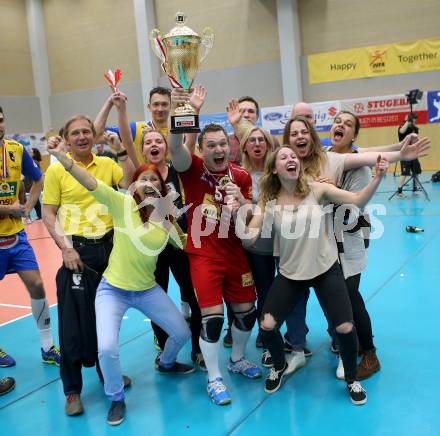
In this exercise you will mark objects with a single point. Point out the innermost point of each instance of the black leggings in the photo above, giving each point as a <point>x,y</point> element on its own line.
<point>177,261</point>
<point>361,317</point>
<point>332,294</point>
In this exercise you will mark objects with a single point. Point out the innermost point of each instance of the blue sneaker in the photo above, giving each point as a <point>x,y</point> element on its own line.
<point>245,367</point>
<point>218,392</point>
<point>5,359</point>
<point>51,356</point>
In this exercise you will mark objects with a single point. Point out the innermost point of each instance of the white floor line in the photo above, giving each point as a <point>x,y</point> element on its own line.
<point>17,306</point>
<point>21,317</point>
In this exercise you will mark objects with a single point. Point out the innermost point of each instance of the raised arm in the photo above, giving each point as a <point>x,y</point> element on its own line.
<point>391,147</point>
<point>235,118</point>
<point>101,118</point>
<point>196,100</point>
<point>407,152</point>
<point>339,196</point>
<point>119,100</point>
<point>180,153</point>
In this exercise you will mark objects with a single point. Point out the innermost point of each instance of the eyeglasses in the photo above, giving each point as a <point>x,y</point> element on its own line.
<point>261,139</point>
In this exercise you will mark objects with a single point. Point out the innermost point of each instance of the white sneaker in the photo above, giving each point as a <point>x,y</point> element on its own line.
<point>296,360</point>
<point>340,373</point>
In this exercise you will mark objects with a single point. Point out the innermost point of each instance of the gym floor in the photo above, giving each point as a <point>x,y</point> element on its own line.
<point>400,287</point>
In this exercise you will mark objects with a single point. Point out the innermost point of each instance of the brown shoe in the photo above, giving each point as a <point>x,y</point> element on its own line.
<point>368,365</point>
<point>127,381</point>
<point>73,405</point>
<point>7,384</point>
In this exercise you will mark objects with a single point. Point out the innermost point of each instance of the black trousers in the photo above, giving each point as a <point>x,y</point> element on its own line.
<point>332,294</point>
<point>177,261</point>
<point>95,256</point>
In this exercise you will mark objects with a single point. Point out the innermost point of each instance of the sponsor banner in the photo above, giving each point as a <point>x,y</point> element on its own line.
<point>374,61</point>
<point>389,110</point>
<point>218,118</point>
<point>325,113</point>
<point>275,118</point>
<point>433,106</point>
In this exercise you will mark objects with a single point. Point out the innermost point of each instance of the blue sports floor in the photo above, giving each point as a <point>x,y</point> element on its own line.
<point>401,287</point>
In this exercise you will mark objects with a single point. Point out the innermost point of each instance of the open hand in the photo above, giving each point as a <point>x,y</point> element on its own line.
<point>234,114</point>
<point>198,97</point>
<point>411,151</point>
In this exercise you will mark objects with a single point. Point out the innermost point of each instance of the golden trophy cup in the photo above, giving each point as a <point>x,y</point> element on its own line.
<point>181,51</point>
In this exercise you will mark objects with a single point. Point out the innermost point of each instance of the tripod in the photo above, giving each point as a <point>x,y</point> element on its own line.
<point>416,183</point>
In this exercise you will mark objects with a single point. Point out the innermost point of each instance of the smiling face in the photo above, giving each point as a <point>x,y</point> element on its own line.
<point>159,107</point>
<point>256,145</point>
<point>287,164</point>
<point>343,131</point>
<point>215,151</point>
<point>148,185</point>
<point>300,139</point>
<point>80,138</point>
<point>154,147</point>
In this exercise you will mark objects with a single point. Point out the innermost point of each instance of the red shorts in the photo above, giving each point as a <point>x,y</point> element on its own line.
<point>215,280</point>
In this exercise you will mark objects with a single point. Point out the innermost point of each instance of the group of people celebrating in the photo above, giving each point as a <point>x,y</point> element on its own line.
<point>238,219</point>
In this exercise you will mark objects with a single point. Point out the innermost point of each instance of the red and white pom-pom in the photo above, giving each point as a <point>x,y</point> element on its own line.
<point>113,78</point>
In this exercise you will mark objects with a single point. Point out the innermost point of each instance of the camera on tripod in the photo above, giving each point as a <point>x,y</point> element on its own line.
<point>414,96</point>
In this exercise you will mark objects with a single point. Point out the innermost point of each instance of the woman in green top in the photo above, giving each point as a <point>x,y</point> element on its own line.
<point>141,232</point>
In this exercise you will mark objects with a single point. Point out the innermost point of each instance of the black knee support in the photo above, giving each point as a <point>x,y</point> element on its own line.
<point>245,321</point>
<point>212,327</point>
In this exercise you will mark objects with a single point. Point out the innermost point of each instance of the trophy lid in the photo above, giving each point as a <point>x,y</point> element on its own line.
<point>180,29</point>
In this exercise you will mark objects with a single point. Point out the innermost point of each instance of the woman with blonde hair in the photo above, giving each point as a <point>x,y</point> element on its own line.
<point>310,259</point>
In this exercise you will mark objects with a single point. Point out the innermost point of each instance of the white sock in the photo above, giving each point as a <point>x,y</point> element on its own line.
<point>239,341</point>
<point>210,351</point>
<point>40,311</point>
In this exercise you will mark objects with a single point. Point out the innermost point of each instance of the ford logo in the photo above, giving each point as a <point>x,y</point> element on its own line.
<point>273,116</point>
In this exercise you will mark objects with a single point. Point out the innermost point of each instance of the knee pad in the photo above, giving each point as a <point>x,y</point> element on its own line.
<point>245,321</point>
<point>212,327</point>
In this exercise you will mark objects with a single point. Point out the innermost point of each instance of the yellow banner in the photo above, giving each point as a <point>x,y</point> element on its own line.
<point>381,60</point>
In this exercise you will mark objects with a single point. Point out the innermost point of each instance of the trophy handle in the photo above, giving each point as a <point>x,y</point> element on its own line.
<point>157,45</point>
<point>207,42</point>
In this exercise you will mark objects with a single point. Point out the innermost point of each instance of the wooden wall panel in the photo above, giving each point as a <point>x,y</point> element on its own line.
<point>15,56</point>
<point>85,38</point>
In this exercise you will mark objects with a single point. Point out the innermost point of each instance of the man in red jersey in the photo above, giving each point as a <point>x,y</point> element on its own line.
<point>214,189</point>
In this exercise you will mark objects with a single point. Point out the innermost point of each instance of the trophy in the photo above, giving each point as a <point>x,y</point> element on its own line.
<point>181,51</point>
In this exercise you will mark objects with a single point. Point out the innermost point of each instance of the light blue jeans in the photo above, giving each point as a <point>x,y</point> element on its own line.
<point>111,304</point>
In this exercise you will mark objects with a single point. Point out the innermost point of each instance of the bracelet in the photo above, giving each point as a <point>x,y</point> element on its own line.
<point>122,153</point>
<point>123,160</point>
<point>71,165</point>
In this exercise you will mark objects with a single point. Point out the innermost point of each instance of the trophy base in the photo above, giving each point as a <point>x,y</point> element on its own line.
<point>185,124</point>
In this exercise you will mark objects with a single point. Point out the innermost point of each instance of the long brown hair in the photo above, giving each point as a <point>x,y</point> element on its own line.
<point>313,163</point>
<point>246,163</point>
<point>270,184</point>
<point>145,212</point>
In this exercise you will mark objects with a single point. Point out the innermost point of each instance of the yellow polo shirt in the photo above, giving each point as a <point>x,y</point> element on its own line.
<point>79,213</point>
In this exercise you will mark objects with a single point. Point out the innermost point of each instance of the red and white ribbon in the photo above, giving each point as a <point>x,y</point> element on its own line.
<point>161,49</point>
<point>113,78</point>
<point>4,172</point>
